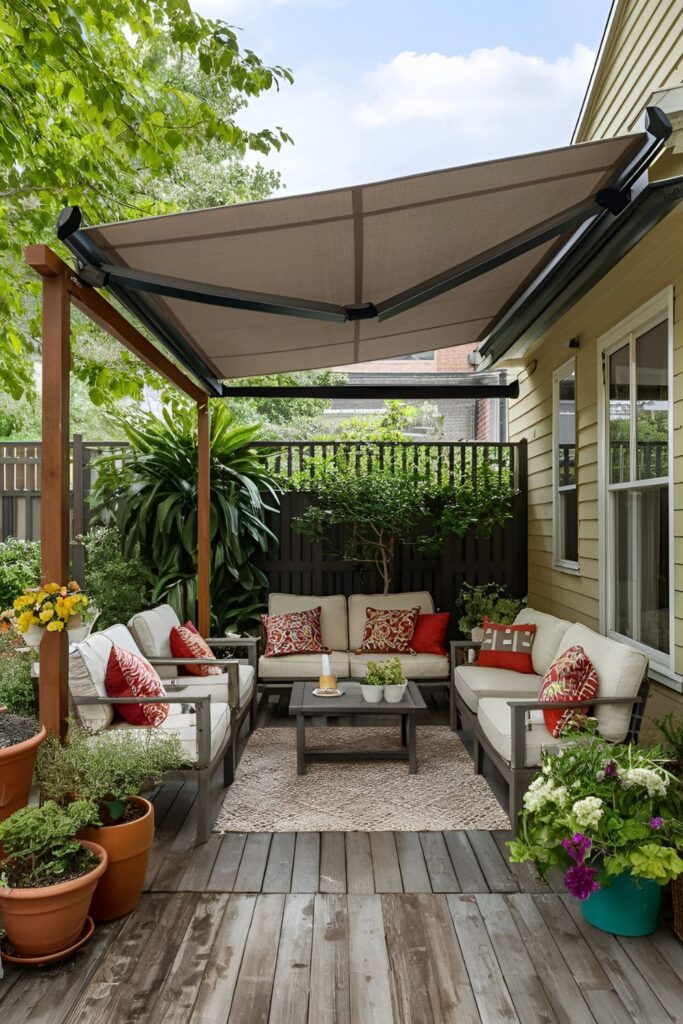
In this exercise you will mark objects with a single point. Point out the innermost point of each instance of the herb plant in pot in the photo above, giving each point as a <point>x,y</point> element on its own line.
<point>111,769</point>
<point>372,686</point>
<point>47,877</point>
<point>610,816</point>
<point>390,678</point>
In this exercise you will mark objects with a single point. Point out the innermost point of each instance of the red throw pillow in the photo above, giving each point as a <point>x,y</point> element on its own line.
<point>571,676</point>
<point>130,675</point>
<point>293,633</point>
<point>186,642</point>
<point>430,633</point>
<point>507,647</point>
<point>389,631</point>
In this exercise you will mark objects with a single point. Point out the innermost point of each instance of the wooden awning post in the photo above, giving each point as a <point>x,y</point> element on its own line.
<point>53,694</point>
<point>203,517</point>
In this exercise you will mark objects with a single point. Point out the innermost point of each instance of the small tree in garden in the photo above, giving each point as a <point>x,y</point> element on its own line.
<point>373,507</point>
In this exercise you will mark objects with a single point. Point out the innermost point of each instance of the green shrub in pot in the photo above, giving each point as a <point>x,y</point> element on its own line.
<point>488,600</point>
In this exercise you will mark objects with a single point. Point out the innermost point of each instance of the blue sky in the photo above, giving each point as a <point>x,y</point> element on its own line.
<point>384,89</point>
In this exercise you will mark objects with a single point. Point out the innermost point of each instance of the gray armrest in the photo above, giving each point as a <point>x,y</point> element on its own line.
<point>459,649</point>
<point>520,708</point>
<point>230,664</point>
<point>250,642</point>
<point>203,706</point>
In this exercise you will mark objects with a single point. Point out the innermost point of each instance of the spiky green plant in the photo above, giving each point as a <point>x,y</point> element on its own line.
<point>150,490</point>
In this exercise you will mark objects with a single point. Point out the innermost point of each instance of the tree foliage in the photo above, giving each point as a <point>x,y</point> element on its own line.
<point>97,102</point>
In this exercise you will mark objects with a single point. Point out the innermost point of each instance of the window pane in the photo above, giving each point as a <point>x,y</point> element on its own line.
<point>566,525</point>
<point>620,416</point>
<point>641,584</point>
<point>652,402</point>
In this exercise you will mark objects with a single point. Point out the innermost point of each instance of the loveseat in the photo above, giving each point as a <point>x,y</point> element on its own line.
<point>502,708</point>
<point>342,621</point>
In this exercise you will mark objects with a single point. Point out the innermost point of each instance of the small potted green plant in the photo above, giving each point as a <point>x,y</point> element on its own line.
<point>372,686</point>
<point>387,676</point>
<point>488,601</point>
<point>47,877</point>
<point>610,816</point>
<point>111,769</point>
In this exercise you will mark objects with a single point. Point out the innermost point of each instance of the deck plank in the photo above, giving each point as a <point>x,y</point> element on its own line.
<point>196,875</point>
<point>526,875</point>
<point>253,864</point>
<point>252,997</point>
<point>291,985</point>
<point>385,865</point>
<point>227,863</point>
<point>446,955</point>
<point>359,874</point>
<point>439,864</point>
<point>670,948</point>
<point>306,862</point>
<point>329,1001</point>
<point>278,876</point>
<point>332,862</point>
<point>219,980</point>
<point>497,873</point>
<point>465,864</point>
<point>412,863</point>
<point>656,971</point>
<point>166,831</point>
<point>488,984</point>
<point>370,995</point>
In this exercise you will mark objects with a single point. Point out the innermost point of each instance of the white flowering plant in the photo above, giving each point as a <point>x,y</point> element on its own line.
<point>599,810</point>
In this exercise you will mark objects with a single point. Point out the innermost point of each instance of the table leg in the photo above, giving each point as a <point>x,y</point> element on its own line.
<point>412,745</point>
<point>404,730</point>
<point>300,745</point>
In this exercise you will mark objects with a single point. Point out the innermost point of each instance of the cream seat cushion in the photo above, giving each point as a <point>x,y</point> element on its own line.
<point>415,666</point>
<point>333,616</point>
<point>495,721</point>
<point>302,666</point>
<point>620,672</point>
<point>359,603</point>
<point>472,682</point>
<point>184,724</point>
<point>87,670</point>
<point>152,631</point>
<point>549,636</point>
<point>214,686</point>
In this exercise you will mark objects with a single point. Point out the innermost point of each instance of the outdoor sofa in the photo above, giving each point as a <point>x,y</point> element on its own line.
<point>342,621</point>
<point>204,711</point>
<point>502,709</point>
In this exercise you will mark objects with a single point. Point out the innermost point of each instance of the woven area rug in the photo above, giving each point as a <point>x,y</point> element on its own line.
<point>379,796</point>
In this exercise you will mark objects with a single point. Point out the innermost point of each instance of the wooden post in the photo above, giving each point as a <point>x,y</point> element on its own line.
<point>203,517</point>
<point>54,506</point>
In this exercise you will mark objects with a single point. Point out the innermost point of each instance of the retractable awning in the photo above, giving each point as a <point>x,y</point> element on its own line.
<point>360,273</point>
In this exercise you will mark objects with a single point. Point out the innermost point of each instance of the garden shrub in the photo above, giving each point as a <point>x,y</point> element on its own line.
<point>19,568</point>
<point>118,586</point>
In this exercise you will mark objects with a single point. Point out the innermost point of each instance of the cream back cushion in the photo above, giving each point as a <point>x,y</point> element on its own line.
<point>550,633</point>
<point>87,670</point>
<point>152,630</point>
<point>359,603</point>
<point>333,621</point>
<point>620,672</point>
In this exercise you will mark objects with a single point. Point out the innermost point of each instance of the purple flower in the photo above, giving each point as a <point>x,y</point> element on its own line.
<point>577,847</point>
<point>610,769</point>
<point>656,822</point>
<point>580,881</point>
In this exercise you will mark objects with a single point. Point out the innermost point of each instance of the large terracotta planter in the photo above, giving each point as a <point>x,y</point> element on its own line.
<point>16,773</point>
<point>128,847</point>
<point>43,921</point>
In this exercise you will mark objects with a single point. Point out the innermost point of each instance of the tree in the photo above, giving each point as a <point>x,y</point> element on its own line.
<point>93,110</point>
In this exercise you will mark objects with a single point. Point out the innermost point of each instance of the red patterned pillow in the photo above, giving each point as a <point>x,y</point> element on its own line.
<point>130,675</point>
<point>293,633</point>
<point>571,676</point>
<point>507,647</point>
<point>187,642</point>
<point>389,631</point>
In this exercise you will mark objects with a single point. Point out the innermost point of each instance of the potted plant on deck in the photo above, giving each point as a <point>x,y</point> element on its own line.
<point>20,732</point>
<point>610,816</point>
<point>47,879</point>
<point>111,769</point>
<point>387,678</point>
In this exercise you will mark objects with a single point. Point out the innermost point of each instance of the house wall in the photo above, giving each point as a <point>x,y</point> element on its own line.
<point>643,53</point>
<point>653,265</point>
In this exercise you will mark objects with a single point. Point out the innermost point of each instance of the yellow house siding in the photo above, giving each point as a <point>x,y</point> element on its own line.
<point>654,264</point>
<point>645,53</point>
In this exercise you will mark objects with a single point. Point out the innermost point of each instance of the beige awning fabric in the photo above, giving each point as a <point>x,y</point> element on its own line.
<point>353,252</point>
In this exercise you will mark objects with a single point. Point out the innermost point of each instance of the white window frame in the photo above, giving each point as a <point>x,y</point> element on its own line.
<point>563,564</point>
<point>659,308</point>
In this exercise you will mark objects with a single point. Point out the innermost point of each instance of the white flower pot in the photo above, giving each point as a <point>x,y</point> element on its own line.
<point>394,694</point>
<point>33,636</point>
<point>372,694</point>
<point>477,634</point>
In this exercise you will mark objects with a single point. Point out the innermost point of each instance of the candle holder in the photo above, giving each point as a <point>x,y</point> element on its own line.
<point>327,682</point>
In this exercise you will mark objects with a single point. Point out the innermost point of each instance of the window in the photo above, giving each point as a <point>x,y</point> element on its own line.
<point>565,507</point>
<point>414,357</point>
<point>637,502</point>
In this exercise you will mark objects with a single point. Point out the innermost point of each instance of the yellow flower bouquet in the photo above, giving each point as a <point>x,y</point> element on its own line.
<point>50,606</point>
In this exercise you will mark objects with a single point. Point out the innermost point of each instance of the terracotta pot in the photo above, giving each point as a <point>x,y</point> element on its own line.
<point>47,920</point>
<point>128,847</point>
<point>16,773</point>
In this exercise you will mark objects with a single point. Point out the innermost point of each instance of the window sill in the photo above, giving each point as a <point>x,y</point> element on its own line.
<point>572,568</point>
<point>665,677</point>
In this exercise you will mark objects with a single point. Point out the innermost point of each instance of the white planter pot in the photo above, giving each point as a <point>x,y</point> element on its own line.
<point>33,636</point>
<point>477,634</point>
<point>372,694</point>
<point>394,694</point>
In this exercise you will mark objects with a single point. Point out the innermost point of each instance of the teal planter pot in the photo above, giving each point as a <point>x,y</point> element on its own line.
<point>628,906</point>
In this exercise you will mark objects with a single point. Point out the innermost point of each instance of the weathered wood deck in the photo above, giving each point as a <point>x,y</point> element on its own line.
<point>348,928</point>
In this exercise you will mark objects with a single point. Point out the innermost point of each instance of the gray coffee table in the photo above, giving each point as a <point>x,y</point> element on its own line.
<point>305,705</point>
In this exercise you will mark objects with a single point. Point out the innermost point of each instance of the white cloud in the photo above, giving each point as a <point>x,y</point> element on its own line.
<point>476,92</point>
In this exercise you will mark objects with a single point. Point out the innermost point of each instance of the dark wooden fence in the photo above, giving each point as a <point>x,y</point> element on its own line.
<point>300,566</point>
